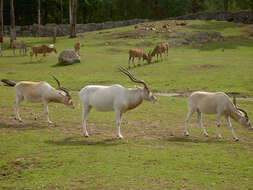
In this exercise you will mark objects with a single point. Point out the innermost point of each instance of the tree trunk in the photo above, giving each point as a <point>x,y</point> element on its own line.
<point>1,22</point>
<point>73,25</point>
<point>38,34</point>
<point>70,11</point>
<point>54,35</point>
<point>61,13</point>
<point>12,28</point>
<point>1,26</point>
<point>225,5</point>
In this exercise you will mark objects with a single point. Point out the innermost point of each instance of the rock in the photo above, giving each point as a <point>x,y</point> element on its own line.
<point>68,57</point>
<point>245,17</point>
<point>64,29</point>
<point>203,37</point>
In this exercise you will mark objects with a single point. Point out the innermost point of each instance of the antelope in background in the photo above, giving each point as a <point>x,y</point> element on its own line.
<point>43,49</point>
<point>77,48</point>
<point>160,49</point>
<point>113,98</point>
<point>18,44</point>
<point>139,53</point>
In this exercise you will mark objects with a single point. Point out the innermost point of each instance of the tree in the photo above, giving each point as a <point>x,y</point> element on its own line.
<point>70,11</point>
<point>225,5</point>
<point>196,5</point>
<point>38,18</point>
<point>61,12</point>
<point>1,22</point>
<point>1,26</point>
<point>73,23</point>
<point>12,20</point>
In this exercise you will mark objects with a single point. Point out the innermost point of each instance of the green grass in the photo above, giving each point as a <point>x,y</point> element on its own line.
<point>154,153</point>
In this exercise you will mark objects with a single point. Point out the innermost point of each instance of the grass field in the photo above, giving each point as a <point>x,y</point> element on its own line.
<point>154,153</point>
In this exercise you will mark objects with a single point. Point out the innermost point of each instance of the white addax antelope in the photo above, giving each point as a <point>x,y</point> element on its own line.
<point>113,98</point>
<point>41,92</point>
<point>215,103</point>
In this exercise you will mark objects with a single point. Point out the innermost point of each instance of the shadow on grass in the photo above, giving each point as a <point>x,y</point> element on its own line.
<point>143,65</point>
<point>61,65</point>
<point>196,140</point>
<point>16,125</point>
<point>72,141</point>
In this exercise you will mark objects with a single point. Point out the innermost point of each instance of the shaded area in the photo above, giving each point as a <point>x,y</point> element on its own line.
<point>73,141</point>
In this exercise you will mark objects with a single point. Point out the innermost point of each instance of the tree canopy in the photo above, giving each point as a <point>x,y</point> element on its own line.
<point>89,11</point>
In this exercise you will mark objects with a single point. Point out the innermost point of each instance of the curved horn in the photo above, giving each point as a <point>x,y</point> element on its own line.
<point>60,87</point>
<point>126,72</point>
<point>246,115</point>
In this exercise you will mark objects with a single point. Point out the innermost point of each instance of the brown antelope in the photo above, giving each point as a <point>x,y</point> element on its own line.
<point>138,53</point>
<point>77,48</point>
<point>160,49</point>
<point>43,49</point>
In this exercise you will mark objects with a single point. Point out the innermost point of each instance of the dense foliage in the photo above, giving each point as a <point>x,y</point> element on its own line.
<point>112,10</point>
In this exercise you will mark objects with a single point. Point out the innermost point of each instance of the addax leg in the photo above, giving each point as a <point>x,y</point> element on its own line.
<point>86,110</point>
<point>46,112</point>
<point>16,104</point>
<point>129,59</point>
<point>218,126</point>
<point>231,128</point>
<point>118,122</point>
<point>189,114</point>
<point>200,123</point>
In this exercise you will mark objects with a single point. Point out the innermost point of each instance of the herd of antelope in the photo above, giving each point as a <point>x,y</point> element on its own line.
<point>35,50</point>
<point>120,99</point>
<point>159,49</point>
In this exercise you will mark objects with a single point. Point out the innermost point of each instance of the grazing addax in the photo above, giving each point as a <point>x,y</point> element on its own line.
<point>41,92</point>
<point>215,103</point>
<point>113,98</point>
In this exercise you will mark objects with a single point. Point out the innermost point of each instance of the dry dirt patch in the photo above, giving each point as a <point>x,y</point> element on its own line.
<point>144,44</point>
<point>203,67</point>
<point>114,50</point>
<point>248,29</point>
<point>132,34</point>
<point>113,43</point>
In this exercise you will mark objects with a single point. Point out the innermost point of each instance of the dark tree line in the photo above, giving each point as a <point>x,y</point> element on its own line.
<point>58,11</point>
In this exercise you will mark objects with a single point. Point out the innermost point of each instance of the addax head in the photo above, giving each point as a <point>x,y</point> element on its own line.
<point>244,120</point>
<point>67,96</point>
<point>147,94</point>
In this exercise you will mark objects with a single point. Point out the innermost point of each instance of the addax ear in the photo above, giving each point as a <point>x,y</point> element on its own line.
<point>234,100</point>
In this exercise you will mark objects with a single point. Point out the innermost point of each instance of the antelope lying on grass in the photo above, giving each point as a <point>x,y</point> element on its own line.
<point>215,103</point>
<point>77,48</point>
<point>138,53</point>
<point>41,92</point>
<point>160,49</point>
<point>19,45</point>
<point>42,49</point>
<point>113,98</point>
